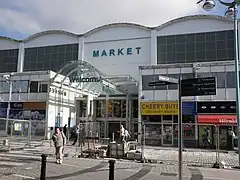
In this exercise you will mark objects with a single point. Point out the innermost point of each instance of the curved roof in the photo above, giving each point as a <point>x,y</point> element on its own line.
<point>9,39</point>
<point>120,25</point>
<point>117,25</point>
<point>192,17</point>
<point>49,32</point>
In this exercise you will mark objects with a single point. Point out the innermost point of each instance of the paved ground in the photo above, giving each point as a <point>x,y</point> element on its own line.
<point>191,157</point>
<point>26,164</point>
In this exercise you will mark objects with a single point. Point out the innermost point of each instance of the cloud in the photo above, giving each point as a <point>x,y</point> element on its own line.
<point>79,16</point>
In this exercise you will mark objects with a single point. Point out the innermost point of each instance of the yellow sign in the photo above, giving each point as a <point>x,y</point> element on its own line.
<point>159,108</point>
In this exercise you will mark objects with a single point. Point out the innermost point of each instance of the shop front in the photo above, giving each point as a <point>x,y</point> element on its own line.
<point>210,117</point>
<point>161,123</point>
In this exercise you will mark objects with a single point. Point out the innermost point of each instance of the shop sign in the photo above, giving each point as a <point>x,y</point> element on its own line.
<point>159,108</point>
<point>117,52</point>
<point>217,119</point>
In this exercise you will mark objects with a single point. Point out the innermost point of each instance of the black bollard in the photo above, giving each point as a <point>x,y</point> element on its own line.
<point>111,169</point>
<point>43,167</point>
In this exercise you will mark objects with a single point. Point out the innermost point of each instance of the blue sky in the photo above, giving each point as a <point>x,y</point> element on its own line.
<point>21,18</point>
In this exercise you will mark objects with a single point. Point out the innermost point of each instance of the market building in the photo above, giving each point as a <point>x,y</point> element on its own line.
<point>129,56</point>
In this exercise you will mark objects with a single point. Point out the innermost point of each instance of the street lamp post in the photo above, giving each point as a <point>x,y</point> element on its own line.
<point>8,79</point>
<point>231,12</point>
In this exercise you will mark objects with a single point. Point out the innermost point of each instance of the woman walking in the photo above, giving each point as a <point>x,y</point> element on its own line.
<point>59,140</point>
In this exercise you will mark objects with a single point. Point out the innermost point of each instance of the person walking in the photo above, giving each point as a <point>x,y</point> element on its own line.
<point>59,140</point>
<point>65,130</point>
<point>76,134</point>
<point>122,134</point>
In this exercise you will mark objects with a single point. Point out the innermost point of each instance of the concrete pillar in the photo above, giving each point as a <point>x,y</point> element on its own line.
<point>153,60</point>
<point>21,52</point>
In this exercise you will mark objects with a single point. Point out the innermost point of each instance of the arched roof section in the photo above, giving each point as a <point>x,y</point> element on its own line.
<point>49,32</point>
<point>185,18</point>
<point>9,39</point>
<point>117,25</point>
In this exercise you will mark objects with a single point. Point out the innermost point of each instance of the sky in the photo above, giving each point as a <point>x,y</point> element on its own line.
<point>21,18</point>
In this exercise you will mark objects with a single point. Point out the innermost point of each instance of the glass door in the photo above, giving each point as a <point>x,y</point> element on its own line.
<point>167,134</point>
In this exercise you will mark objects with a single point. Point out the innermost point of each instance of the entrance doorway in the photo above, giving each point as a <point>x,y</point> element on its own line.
<point>167,134</point>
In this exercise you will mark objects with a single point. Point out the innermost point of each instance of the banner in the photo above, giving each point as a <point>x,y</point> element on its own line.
<point>159,108</point>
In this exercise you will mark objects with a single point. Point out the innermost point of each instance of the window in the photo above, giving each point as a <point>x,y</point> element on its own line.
<point>43,88</point>
<point>100,108</point>
<point>4,87</point>
<point>220,77</point>
<point>230,76</point>
<point>23,86</point>
<point>8,59</point>
<point>198,47</point>
<point>83,108</point>
<point>117,108</point>
<point>135,108</point>
<point>33,86</point>
<point>49,57</point>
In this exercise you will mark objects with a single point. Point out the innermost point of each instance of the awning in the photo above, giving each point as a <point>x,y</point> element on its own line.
<point>216,119</point>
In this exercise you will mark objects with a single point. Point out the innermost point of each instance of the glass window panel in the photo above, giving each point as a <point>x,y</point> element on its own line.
<point>230,54</point>
<point>162,49</point>
<point>220,77</point>
<point>23,86</point>
<point>171,48</point>
<point>135,108</point>
<point>123,114</point>
<point>200,37</point>
<point>162,40</point>
<point>83,108</point>
<point>210,37</point>
<point>110,108</point>
<point>190,56</point>
<point>200,46</point>
<point>180,39</point>
<point>230,34</point>
<point>43,88</point>
<point>230,44</point>
<point>200,55</point>
<point>211,46</point>
<point>211,55</point>
<point>4,87</point>
<point>190,38</point>
<point>187,76</point>
<point>33,86</point>
<point>170,39</point>
<point>190,47</point>
<point>222,55</point>
<point>204,74</point>
<point>16,86</point>
<point>171,58</point>
<point>145,82</point>
<point>221,45</point>
<point>162,58</point>
<point>180,47</point>
<point>180,57</point>
<point>116,108</point>
<point>100,108</point>
<point>221,36</point>
<point>230,77</point>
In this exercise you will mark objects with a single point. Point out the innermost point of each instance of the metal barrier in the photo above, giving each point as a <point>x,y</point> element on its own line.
<point>21,133</point>
<point>161,139</point>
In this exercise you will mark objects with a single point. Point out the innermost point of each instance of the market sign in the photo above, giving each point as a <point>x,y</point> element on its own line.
<point>159,108</point>
<point>129,51</point>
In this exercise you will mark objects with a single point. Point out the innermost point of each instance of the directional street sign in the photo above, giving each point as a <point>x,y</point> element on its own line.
<point>198,86</point>
<point>163,80</point>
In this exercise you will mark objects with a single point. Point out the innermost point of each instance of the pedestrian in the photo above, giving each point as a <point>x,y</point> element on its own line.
<point>59,140</point>
<point>122,133</point>
<point>206,138</point>
<point>51,135</point>
<point>65,130</point>
<point>76,133</point>
<point>126,135</point>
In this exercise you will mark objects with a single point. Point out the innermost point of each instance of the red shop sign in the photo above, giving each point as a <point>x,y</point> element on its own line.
<point>217,119</point>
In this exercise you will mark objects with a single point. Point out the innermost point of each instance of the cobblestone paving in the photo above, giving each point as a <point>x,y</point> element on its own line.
<point>204,158</point>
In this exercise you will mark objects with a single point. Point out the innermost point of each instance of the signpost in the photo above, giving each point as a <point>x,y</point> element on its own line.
<point>187,87</point>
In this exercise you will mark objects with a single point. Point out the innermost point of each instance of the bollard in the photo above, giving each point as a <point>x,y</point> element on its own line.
<point>43,167</point>
<point>111,169</point>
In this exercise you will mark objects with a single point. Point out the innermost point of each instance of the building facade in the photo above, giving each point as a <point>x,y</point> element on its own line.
<point>192,46</point>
